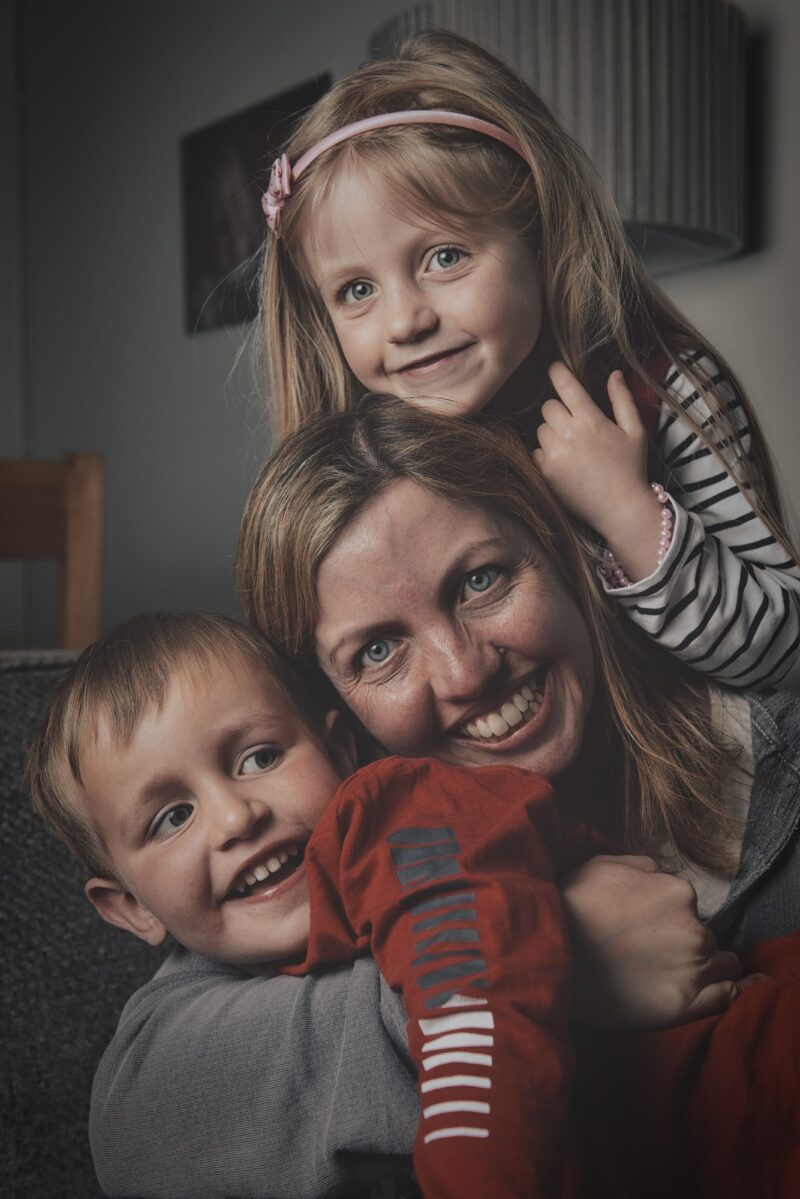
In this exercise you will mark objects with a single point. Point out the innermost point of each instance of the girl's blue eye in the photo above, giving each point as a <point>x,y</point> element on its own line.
<point>356,293</point>
<point>376,653</point>
<point>481,580</point>
<point>172,820</point>
<point>446,258</point>
<point>259,760</point>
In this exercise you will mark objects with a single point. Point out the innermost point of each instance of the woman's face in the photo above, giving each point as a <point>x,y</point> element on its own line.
<point>450,636</point>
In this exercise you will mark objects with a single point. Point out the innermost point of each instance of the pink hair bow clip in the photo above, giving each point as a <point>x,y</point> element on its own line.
<point>274,198</point>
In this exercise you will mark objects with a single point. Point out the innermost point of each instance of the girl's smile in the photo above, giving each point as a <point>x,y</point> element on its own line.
<point>448,634</point>
<point>422,309</point>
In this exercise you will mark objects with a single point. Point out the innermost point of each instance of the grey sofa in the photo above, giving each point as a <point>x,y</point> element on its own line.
<point>66,974</point>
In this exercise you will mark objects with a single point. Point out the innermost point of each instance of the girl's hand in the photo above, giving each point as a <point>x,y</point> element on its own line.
<point>598,467</point>
<point>642,957</point>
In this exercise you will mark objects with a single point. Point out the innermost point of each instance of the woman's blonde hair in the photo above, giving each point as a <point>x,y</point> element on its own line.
<point>603,311</point>
<point>660,752</point>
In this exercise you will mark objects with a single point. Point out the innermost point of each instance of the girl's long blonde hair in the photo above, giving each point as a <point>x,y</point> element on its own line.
<point>603,311</point>
<point>662,768</point>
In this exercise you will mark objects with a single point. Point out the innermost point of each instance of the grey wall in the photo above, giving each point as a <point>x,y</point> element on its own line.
<point>109,89</point>
<point>749,306</point>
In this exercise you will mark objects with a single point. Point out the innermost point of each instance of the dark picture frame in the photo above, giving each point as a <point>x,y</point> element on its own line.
<point>225,170</point>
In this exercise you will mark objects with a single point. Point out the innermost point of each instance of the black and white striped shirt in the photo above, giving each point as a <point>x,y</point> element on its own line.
<point>726,598</point>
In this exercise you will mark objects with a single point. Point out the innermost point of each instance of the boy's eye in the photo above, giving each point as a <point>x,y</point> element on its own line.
<point>376,652</point>
<point>259,760</point>
<point>170,821</point>
<point>445,258</point>
<point>355,293</point>
<point>480,580</point>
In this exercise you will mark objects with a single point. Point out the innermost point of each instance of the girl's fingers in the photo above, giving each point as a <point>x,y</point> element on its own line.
<point>575,398</point>
<point>623,405</point>
<point>556,415</point>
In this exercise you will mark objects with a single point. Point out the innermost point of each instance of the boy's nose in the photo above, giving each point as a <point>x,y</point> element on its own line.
<point>408,314</point>
<point>236,818</point>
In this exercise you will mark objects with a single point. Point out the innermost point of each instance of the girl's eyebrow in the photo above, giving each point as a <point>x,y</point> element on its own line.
<point>451,574</point>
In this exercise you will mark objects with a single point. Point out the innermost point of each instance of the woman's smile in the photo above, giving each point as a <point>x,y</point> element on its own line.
<point>449,634</point>
<point>513,716</point>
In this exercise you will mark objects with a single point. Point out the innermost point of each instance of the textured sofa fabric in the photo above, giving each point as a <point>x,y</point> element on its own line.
<point>66,974</point>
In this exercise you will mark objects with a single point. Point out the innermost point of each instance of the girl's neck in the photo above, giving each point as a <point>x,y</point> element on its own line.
<point>520,399</point>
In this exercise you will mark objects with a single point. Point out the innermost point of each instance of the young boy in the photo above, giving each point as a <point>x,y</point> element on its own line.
<point>184,763</point>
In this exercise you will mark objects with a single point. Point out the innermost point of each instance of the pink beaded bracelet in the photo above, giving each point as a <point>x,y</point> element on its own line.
<point>611,569</point>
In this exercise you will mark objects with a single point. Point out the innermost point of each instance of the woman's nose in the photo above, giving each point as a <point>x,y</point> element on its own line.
<point>460,666</point>
<point>236,817</point>
<point>408,313</point>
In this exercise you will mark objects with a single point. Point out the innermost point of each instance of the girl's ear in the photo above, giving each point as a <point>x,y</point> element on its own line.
<point>339,742</point>
<point>121,908</point>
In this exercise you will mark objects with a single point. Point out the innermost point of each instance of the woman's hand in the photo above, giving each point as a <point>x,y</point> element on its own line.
<point>598,467</point>
<point>642,957</point>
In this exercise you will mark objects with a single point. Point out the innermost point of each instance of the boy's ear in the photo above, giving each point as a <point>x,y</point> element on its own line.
<point>121,908</point>
<point>339,742</point>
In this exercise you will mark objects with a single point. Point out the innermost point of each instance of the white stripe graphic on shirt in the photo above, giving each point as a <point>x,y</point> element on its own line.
<point>457,1080</point>
<point>456,1105</point>
<point>458,1040</point>
<point>455,1132</point>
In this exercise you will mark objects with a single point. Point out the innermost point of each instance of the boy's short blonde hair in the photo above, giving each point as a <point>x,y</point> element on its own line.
<point>116,682</point>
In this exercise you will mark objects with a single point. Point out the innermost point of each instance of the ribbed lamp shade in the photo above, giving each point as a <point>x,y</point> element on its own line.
<point>652,89</point>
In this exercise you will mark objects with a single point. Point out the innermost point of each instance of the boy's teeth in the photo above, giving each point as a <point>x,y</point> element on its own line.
<point>261,872</point>
<point>496,724</point>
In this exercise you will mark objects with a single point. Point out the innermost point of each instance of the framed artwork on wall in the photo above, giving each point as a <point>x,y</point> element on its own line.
<point>225,170</point>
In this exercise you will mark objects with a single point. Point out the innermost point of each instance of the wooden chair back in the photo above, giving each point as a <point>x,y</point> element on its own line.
<point>54,510</point>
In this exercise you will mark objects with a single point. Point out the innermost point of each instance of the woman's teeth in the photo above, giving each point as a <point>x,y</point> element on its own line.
<point>516,710</point>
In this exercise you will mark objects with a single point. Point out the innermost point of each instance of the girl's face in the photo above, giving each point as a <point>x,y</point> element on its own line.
<point>449,636</point>
<point>422,311</point>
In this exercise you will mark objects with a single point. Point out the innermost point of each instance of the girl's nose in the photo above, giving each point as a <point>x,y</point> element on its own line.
<point>408,314</point>
<point>236,817</point>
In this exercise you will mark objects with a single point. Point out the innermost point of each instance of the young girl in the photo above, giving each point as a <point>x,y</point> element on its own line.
<point>436,235</point>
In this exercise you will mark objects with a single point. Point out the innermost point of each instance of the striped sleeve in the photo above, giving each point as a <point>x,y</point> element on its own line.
<point>726,598</point>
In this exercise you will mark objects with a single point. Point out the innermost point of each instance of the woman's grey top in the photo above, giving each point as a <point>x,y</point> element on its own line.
<point>299,1088</point>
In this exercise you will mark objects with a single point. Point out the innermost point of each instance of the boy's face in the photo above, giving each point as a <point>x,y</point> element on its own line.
<point>205,815</point>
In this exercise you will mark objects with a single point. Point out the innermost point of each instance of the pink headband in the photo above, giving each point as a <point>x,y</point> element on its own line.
<point>283,173</point>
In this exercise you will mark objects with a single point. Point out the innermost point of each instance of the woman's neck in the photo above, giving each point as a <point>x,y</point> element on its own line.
<point>591,788</point>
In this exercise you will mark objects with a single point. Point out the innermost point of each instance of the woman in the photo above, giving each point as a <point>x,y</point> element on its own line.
<point>424,570</point>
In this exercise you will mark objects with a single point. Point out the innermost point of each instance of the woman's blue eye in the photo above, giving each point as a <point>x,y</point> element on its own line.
<point>481,580</point>
<point>445,258</point>
<point>355,293</point>
<point>172,819</point>
<point>260,759</point>
<point>376,652</point>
